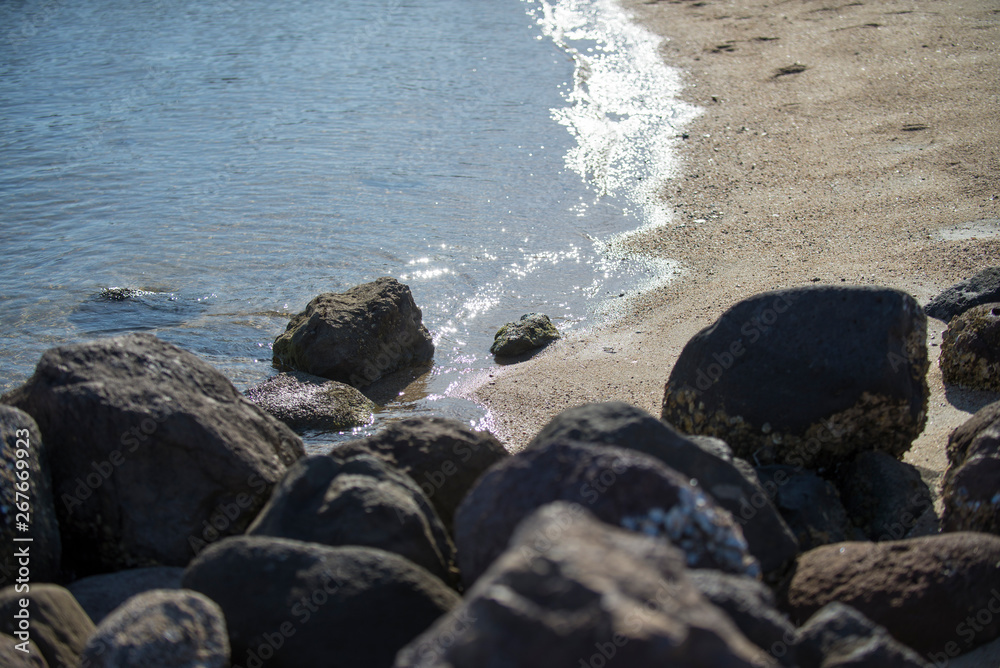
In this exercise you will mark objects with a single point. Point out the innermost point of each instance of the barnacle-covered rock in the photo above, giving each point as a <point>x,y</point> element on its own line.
<point>304,401</point>
<point>970,349</point>
<point>533,330</point>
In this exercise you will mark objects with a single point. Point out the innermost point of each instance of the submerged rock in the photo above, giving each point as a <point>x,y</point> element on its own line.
<point>807,376</point>
<point>533,330</point>
<point>982,288</point>
<point>970,349</point>
<point>358,336</point>
<point>304,401</point>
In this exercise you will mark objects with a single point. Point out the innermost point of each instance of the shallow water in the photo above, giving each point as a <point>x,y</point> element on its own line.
<point>234,159</point>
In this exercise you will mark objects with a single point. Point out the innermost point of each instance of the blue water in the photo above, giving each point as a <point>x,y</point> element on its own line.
<point>234,159</point>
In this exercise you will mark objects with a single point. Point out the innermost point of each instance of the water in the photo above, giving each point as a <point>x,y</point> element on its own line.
<point>234,159</point>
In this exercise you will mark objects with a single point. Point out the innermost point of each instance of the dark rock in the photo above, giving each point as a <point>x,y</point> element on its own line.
<point>622,487</point>
<point>132,420</point>
<point>58,625</point>
<point>807,376</point>
<point>750,604</point>
<point>971,489</point>
<point>934,594</point>
<point>883,496</point>
<point>967,432</point>
<point>970,349</point>
<point>444,456</point>
<point>26,499</point>
<point>358,336</point>
<point>29,656</point>
<point>304,401</point>
<point>982,288</point>
<point>153,452</point>
<point>810,505</point>
<point>99,595</point>
<point>161,628</point>
<point>292,604</point>
<point>358,501</point>
<point>533,330</point>
<point>572,591</point>
<point>838,636</point>
<point>620,424</point>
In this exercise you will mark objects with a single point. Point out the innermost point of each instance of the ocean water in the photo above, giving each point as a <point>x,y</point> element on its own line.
<point>232,159</point>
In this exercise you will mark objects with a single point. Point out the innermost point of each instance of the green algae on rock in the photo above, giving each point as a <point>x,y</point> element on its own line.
<point>533,330</point>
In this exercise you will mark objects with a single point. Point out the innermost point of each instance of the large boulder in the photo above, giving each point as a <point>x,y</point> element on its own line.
<point>810,505</point>
<point>982,288</point>
<point>358,501</point>
<point>970,349</point>
<point>806,376</point>
<point>620,424</point>
<point>358,336</point>
<point>571,591</point>
<point>935,593</point>
<point>99,595</point>
<point>971,488</point>
<point>304,401</point>
<point>55,621</point>
<point>161,628</point>
<point>291,604</point>
<point>883,496</point>
<point>838,636</point>
<point>444,456</point>
<point>27,509</point>
<point>622,487</point>
<point>151,450</point>
<point>532,331</point>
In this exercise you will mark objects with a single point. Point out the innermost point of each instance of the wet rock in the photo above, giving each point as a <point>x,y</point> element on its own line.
<point>620,424</point>
<point>982,288</point>
<point>807,376</point>
<point>358,336</point>
<point>970,349</point>
<point>161,629</point>
<point>622,487</point>
<point>358,501</point>
<point>570,591</point>
<point>971,488</point>
<point>533,330</point>
<point>27,657</point>
<point>935,594</point>
<point>304,401</point>
<point>289,603</point>
<point>810,505</point>
<point>27,509</point>
<point>883,496</point>
<point>444,456</point>
<point>58,625</point>
<point>838,636</point>
<point>153,452</point>
<point>99,595</point>
<point>751,605</point>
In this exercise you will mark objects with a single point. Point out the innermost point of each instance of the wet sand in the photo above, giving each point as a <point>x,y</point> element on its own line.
<point>841,142</point>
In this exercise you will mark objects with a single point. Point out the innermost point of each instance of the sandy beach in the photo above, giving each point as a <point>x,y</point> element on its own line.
<point>841,143</point>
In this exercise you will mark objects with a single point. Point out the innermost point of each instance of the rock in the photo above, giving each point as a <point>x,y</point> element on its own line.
<point>358,336</point>
<point>971,488</point>
<point>444,456</point>
<point>883,496</point>
<point>838,636</point>
<point>982,288</point>
<point>289,603</point>
<point>622,487</point>
<point>619,424</point>
<point>936,594</point>
<point>533,330</point>
<point>970,349</point>
<point>303,401</point>
<point>809,504</point>
<point>358,501</point>
<point>966,433</point>
<point>161,628</point>
<point>99,595</point>
<point>751,606</point>
<point>571,591</point>
<point>153,452</point>
<point>57,623</point>
<point>807,376</point>
<point>28,657</point>
<point>26,499</point>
